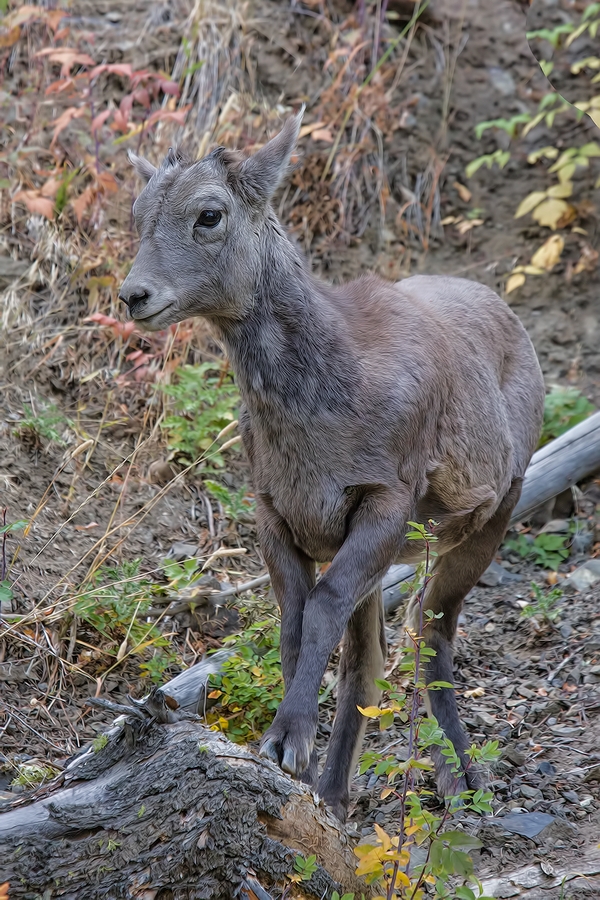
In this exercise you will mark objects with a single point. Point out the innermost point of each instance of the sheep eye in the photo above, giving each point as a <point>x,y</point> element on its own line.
<point>208,219</point>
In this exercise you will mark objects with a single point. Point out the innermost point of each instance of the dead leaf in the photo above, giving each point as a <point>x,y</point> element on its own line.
<point>323,134</point>
<point>100,119</point>
<point>4,890</point>
<point>67,57</point>
<point>106,180</point>
<point>463,192</point>
<point>552,212</point>
<point>468,225</point>
<point>9,38</point>
<point>549,253</point>
<point>308,129</point>
<point>35,203</point>
<point>51,186</point>
<point>122,650</point>
<point>514,282</point>
<point>86,527</point>
<point>123,69</point>
<point>588,260</point>
<point>474,693</point>
<point>22,15</point>
<point>72,112</point>
<point>81,204</point>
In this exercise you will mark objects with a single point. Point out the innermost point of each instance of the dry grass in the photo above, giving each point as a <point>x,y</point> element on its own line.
<point>63,341</point>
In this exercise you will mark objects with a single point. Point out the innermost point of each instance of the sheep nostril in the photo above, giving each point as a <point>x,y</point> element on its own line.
<point>134,298</point>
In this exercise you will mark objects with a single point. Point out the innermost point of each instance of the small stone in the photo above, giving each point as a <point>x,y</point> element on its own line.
<point>160,472</point>
<point>502,81</point>
<point>566,631</point>
<point>495,575</point>
<point>570,796</point>
<point>584,577</point>
<point>182,550</point>
<point>581,543</point>
<point>556,526</point>
<point>525,692</point>
<point>546,768</point>
<point>483,718</point>
<point>531,793</point>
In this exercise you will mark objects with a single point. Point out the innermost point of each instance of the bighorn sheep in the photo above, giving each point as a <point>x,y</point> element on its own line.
<point>365,405</point>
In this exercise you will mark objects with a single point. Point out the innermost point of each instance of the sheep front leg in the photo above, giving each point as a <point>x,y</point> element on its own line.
<point>374,540</point>
<point>293,577</point>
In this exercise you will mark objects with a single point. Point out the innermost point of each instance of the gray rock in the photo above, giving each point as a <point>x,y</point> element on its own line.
<point>495,575</point>
<point>583,577</point>
<point>528,824</point>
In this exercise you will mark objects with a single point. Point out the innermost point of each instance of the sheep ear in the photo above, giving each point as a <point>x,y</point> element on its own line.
<point>263,171</point>
<point>143,168</point>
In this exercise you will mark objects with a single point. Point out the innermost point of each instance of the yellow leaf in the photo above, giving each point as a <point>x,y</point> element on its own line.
<point>565,173</point>
<point>530,202</point>
<point>562,190</point>
<point>551,211</point>
<point>514,282</point>
<point>387,791</point>
<point>474,692</point>
<point>371,712</point>
<point>594,115</point>
<point>385,839</point>
<point>533,270</point>
<point>549,253</point>
<point>369,868</point>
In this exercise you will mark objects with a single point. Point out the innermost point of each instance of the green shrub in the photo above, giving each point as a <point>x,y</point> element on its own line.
<point>250,686</point>
<point>564,407</point>
<point>203,401</point>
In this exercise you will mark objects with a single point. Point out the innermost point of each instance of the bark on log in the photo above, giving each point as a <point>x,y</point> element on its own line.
<point>169,810</point>
<point>559,465</point>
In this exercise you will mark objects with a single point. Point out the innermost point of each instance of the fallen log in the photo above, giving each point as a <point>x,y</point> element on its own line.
<point>559,465</point>
<point>165,809</point>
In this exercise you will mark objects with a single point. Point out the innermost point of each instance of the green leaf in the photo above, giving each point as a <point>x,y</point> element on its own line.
<point>14,526</point>
<point>460,840</point>
<point>6,593</point>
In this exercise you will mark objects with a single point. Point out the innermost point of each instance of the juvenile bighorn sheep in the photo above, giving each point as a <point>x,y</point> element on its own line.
<point>365,406</point>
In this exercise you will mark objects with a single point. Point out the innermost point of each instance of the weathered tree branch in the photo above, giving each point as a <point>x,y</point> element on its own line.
<point>171,812</point>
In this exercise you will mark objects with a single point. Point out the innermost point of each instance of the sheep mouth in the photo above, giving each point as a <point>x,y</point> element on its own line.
<point>146,320</point>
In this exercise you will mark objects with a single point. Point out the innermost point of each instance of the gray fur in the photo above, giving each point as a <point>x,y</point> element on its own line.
<point>365,405</point>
